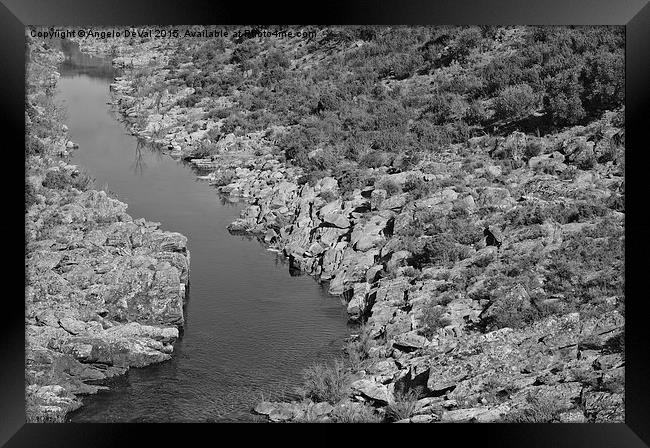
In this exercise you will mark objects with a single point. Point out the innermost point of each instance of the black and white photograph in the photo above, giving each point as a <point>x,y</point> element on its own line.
<point>311,224</point>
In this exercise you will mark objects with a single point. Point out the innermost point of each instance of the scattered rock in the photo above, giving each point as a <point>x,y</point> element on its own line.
<point>373,390</point>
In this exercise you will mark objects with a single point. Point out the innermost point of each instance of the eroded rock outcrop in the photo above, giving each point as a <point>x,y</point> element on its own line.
<point>104,292</point>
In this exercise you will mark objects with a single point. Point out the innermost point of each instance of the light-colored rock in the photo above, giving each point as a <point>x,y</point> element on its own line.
<point>482,414</point>
<point>373,390</point>
<point>410,340</point>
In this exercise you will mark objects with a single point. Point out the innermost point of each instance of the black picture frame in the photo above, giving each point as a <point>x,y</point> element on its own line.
<point>633,14</point>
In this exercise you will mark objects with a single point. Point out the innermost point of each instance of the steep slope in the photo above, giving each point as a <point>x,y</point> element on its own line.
<point>379,159</point>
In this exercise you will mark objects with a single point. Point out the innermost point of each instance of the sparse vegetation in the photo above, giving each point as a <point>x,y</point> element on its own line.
<point>539,410</point>
<point>391,187</point>
<point>324,382</point>
<point>432,318</point>
<point>33,416</point>
<point>355,413</point>
<point>60,180</point>
<point>358,349</point>
<point>404,406</point>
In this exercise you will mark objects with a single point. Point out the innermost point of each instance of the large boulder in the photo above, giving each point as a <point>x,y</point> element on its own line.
<point>395,202</point>
<point>352,269</point>
<point>495,197</point>
<point>368,235</point>
<point>483,414</point>
<point>358,305</point>
<point>332,260</point>
<point>332,214</point>
<point>373,390</point>
<point>410,341</point>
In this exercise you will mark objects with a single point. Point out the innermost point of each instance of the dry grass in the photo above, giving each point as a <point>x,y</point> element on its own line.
<point>359,413</point>
<point>404,406</point>
<point>322,382</point>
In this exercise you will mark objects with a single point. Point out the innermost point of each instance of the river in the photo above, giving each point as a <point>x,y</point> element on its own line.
<point>250,326</point>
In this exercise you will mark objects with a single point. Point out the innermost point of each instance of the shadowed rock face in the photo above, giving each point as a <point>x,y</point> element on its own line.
<point>104,292</point>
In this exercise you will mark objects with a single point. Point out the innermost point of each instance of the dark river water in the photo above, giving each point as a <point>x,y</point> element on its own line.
<point>250,327</point>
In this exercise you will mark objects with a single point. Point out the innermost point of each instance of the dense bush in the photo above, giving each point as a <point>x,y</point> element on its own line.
<point>30,195</point>
<point>577,70</point>
<point>515,102</point>
<point>223,178</point>
<point>374,159</point>
<point>509,311</point>
<point>61,180</point>
<point>33,146</point>
<point>533,149</point>
<point>441,250</point>
<point>343,105</point>
<point>244,53</point>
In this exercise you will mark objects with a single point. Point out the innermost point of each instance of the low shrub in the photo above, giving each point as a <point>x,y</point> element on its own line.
<point>61,180</point>
<point>510,312</point>
<point>49,223</point>
<point>588,267</point>
<point>355,413</point>
<point>374,159</point>
<point>323,382</point>
<point>312,177</point>
<point>223,178</point>
<point>37,416</point>
<point>432,318</point>
<point>30,195</point>
<point>408,161</point>
<point>410,271</point>
<point>417,187</point>
<point>515,102</point>
<point>351,179</point>
<point>391,187</point>
<point>403,407</point>
<point>539,410</point>
<point>217,113</point>
<point>533,149</point>
<point>33,146</point>
<point>578,211</point>
<point>358,349</point>
<point>441,249</point>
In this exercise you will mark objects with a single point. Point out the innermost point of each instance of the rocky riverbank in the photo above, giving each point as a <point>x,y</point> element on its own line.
<point>427,328</point>
<point>452,330</point>
<point>104,292</point>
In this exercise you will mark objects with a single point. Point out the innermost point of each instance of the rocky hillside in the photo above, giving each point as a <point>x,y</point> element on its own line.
<point>461,190</point>
<point>104,292</point>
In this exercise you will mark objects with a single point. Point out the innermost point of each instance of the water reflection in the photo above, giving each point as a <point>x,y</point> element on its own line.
<point>77,63</point>
<point>139,164</point>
